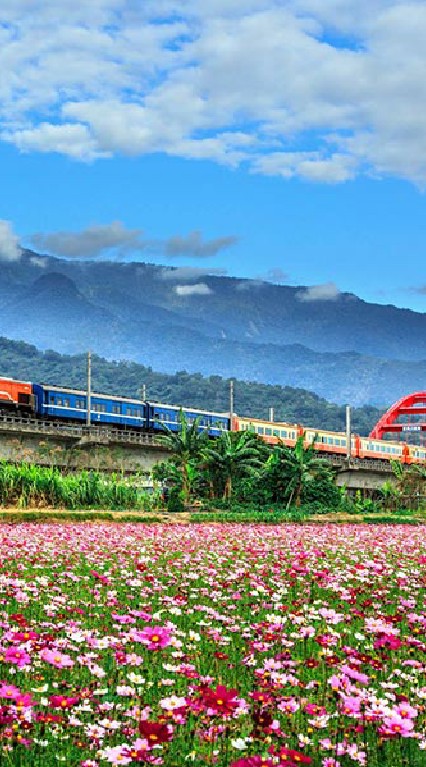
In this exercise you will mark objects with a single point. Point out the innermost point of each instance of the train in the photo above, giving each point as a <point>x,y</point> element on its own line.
<point>48,402</point>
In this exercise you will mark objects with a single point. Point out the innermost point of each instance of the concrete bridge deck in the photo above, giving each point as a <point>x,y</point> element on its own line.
<point>104,448</point>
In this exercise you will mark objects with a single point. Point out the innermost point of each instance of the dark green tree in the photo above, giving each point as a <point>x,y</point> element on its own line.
<point>292,472</point>
<point>231,456</point>
<point>186,445</point>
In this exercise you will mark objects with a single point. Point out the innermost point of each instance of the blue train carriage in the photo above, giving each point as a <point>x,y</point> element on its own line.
<point>58,403</point>
<point>160,415</point>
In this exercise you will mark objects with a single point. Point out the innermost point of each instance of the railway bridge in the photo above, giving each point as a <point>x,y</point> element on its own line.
<point>76,446</point>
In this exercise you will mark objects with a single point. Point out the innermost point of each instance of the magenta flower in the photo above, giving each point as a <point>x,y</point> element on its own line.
<point>9,691</point>
<point>154,637</point>
<point>17,657</point>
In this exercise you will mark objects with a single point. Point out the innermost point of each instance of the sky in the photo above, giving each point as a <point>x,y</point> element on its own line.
<point>282,140</point>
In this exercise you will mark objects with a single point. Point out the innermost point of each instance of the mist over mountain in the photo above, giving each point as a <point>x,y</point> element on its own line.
<point>342,348</point>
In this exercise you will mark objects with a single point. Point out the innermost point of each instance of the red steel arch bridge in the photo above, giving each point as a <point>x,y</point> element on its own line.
<point>405,420</point>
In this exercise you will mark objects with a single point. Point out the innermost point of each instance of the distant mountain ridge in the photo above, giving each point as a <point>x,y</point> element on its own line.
<point>346,350</point>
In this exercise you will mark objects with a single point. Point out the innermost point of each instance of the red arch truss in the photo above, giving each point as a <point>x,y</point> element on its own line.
<point>412,404</point>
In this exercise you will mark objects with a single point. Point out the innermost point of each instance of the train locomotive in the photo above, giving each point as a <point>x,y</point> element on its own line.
<point>57,403</point>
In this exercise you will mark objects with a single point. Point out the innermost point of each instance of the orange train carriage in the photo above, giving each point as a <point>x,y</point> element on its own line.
<point>331,442</point>
<point>16,396</point>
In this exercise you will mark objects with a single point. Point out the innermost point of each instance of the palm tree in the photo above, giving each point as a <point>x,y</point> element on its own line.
<point>297,466</point>
<point>232,455</point>
<point>186,444</point>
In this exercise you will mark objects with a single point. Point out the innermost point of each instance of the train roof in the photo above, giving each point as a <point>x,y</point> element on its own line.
<point>15,380</point>
<point>83,393</point>
<point>187,408</point>
<point>264,422</point>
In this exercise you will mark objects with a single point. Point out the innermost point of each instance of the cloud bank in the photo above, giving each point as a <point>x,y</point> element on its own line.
<point>323,90</point>
<point>9,244</point>
<point>100,240</point>
<point>326,292</point>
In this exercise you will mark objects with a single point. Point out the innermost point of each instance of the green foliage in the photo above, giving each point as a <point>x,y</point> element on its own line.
<point>187,445</point>
<point>176,501</point>
<point>233,455</point>
<point>27,486</point>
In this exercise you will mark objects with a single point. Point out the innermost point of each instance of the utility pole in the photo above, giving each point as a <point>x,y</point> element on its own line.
<point>231,398</point>
<point>348,431</point>
<point>143,392</point>
<point>271,414</point>
<point>89,387</point>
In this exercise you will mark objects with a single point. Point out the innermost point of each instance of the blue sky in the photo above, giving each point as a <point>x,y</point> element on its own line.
<point>289,135</point>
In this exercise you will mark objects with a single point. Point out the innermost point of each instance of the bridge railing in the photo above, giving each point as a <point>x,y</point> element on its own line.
<point>12,423</point>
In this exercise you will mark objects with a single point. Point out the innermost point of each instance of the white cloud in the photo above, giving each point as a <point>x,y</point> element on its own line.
<point>319,89</point>
<point>9,243</point>
<point>326,292</point>
<point>201,289</point>
<point>39,261</point>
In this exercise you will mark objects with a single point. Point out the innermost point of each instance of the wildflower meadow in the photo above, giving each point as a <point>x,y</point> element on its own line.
<point>230,645</point>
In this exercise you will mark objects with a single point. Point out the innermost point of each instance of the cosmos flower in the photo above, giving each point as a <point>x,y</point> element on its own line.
<point>154,637</point>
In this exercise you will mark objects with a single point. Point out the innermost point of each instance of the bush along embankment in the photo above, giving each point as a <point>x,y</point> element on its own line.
<point>26,486</point>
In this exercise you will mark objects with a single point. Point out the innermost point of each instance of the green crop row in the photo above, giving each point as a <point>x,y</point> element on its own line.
<point>28,486</point>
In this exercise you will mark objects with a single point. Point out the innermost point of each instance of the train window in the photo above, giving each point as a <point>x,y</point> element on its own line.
<point>293,435</point>
<point>59,401</point>
<point>51,400</point>
<point>283,434</point>
<point>116,409</point>
<point>260,430</point>
<point>66,402</point>
<point>268,432</point>
<point>276,433</point>
<point>79,404</point>
<point>98,407</point>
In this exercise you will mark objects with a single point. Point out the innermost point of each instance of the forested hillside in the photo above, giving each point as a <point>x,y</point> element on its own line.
<point>23,361</point>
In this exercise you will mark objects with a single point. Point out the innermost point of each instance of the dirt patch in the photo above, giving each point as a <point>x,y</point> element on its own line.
<point>87,515</point>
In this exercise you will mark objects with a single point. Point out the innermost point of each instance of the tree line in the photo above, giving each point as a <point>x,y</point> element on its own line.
<point>24,361</point>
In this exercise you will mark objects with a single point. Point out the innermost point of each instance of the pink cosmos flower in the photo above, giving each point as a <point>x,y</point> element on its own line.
<point>351,706</point>
<point>17,657</point>
<point>396,725</point>
<point>405,711</point>
<point>154,637</point>
<point>55,658</point>
<point>9,691</point>
<point>355,675</point>
<point>289,706</point>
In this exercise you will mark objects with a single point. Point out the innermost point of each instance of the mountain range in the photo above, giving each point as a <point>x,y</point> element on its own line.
<point>345,349</point>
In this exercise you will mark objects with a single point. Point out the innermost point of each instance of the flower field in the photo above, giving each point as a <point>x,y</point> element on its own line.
<point>235,646</point>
